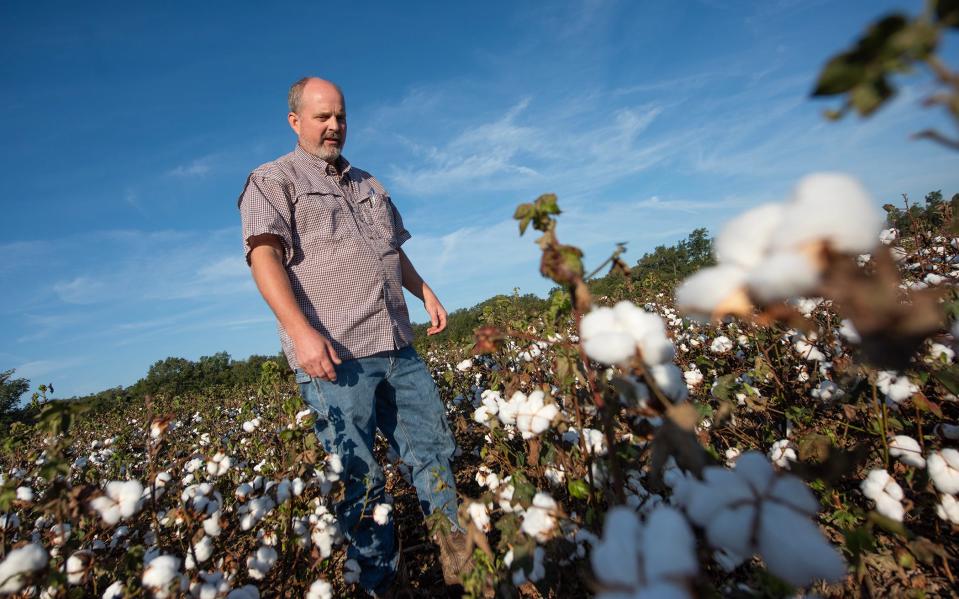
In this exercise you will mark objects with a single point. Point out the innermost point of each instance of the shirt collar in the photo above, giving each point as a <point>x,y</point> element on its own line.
<point>341,163</point>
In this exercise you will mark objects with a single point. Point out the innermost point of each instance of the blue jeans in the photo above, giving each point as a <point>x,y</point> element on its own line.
<point>393,392</point>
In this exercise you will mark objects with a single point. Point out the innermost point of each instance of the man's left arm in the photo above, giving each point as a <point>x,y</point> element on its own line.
<point>418,287</point>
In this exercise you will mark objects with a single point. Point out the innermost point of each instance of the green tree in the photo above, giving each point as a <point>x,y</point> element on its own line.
<point>11,390</point>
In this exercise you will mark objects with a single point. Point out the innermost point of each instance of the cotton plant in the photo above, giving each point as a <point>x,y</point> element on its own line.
<point>772,252</point>
<point>885,492</point>
<point>752,509</point>
<point>655,558</point>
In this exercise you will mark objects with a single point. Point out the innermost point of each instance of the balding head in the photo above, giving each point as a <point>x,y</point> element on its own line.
<point>318,116</point>
<point>307,85</point>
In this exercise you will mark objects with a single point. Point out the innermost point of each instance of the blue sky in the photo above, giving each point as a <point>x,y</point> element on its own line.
<point>127,132</point>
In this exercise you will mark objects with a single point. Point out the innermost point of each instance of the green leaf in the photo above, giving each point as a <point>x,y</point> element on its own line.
<point>870,95</point>
<point>840,75</point>
<point>724,387</point>
<point>947,13</point>
<point>949,377</point>
<point>578,488</point>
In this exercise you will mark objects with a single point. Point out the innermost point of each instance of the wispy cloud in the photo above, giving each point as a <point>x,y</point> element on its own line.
<point>195,168</point>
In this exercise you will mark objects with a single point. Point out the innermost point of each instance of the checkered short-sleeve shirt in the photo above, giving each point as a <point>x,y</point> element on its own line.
<point>341,236</point>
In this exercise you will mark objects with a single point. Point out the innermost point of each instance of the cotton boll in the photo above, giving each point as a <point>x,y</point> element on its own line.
<point>885,492</point>
<point>78,565</point>
<point>783,275</point>
<point>782,454</point>
<point>114,591</point>
<point>615,559</point>
<point>897,388</point>
<point>944,470</point>
<point>479,515</point>
<point>831,207</point>
<point>648,332</point>
<point>161,574</point>
<point>744,240</point>
<point>609,347</point>
<point>948,509</point>
<point>320,590</point>
<point>721,345</point>
<point>351,571</point>
<point>669,378</point>
<point>19,564</point>
<point>669,546</point>
<point>464,365</point>
<point>887,236</point>
<point>693,378</point>
<point>539,520</point>
<point>794,549</point>
<point>714,290</point>
<point>907,450</point>
<point>381,513</point>
<point>261,562</point>
<point>121,499</point>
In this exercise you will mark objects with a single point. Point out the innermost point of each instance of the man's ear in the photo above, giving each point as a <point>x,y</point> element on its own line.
<point>294,121</point>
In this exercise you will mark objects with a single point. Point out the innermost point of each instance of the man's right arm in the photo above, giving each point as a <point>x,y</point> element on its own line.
<point>314,352</point>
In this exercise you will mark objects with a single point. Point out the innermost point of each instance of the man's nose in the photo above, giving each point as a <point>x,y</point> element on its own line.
<point>335,123</point>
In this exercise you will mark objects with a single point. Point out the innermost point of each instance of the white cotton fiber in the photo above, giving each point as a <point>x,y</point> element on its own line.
<point>702,293</point>
<point>833,207</point>
<point>745,240</point>
<point>782,275</point>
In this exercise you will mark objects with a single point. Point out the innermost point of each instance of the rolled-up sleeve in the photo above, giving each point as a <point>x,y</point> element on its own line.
<point>402,235</point>
<point>265,211</point>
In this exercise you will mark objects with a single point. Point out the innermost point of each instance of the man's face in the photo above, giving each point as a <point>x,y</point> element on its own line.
<point>320,121</point>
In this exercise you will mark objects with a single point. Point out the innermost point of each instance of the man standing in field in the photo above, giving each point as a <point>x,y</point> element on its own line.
<point>324,241</point>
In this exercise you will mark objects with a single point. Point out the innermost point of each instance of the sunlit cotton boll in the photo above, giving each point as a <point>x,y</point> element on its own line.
<point>832,207</point>
<point>721,345</point>
<point>712,290</point>
<point>885,492</point>
<point>162,573</point>
<point>648,331</point>
<point>78,565</point>
<point>479,515</point>
<point>381,513</point>
<point>944,470</point>
<point>260,562</point>
<point>114,591</point>
<point>121,499</point>
<point>896,387</point>
<point>782,454</point>
<point>534,415</point>
<point>669,378</point>
<point>320,590</point>
<point>693,378</point>
<point>636,561</point>
<point>907,450</point>
<point>752,509</point>
<point>539,520</point>
<point>783,275</point>
<point>17,566</point>
<point>604,339</point>
<point>948,509</point>
<point>745,239</point>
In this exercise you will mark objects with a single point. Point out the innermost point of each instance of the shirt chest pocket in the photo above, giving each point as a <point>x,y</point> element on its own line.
<point>320,216</point>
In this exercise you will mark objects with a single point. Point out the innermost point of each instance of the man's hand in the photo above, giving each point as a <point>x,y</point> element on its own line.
<point>436,311</point>
<point>315,354</point>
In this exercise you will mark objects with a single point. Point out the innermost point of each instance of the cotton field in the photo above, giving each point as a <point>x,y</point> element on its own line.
<point>786,426</point>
